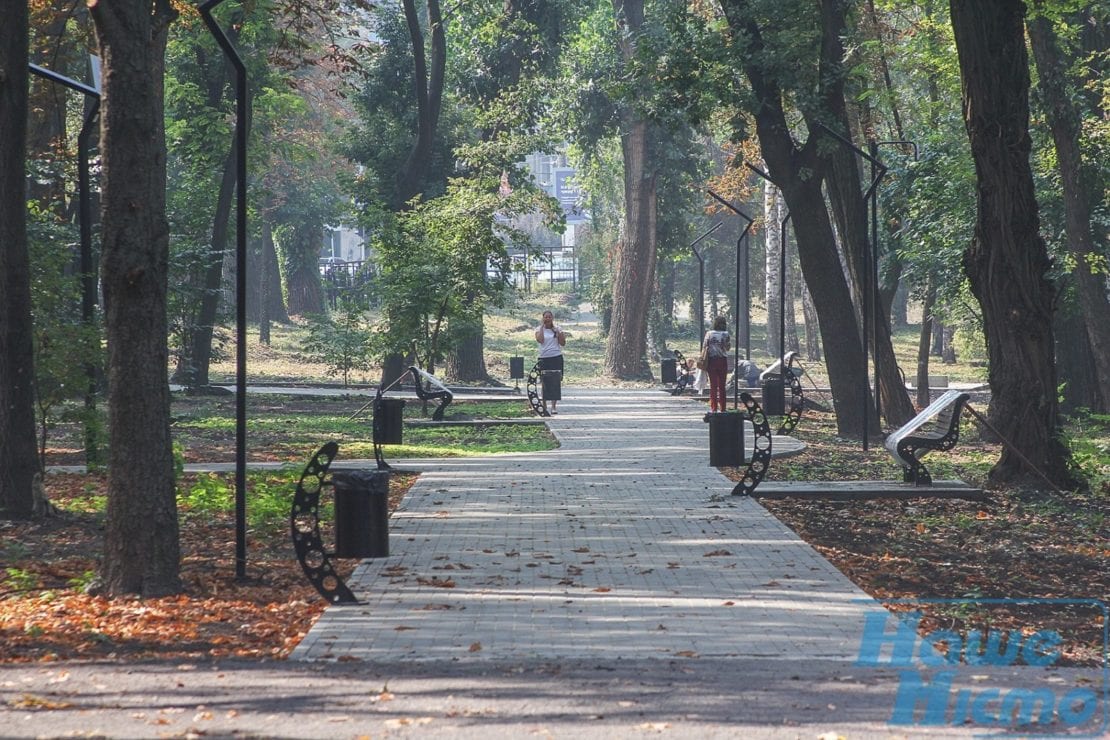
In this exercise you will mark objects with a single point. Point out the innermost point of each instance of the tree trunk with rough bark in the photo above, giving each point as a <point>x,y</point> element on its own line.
<point>466,361</point>
<point>923,342</point>
<point>1007,262</point>
<point>18,457</point>
<point>141,546</point>
<point>774,211</point>
<point>813,326</point>
<point>1064,120</point>
<point>270,292</point>
<point>798,171</point>
<point>299,248</point>
<point>428,76</point>
<point>635,253</point>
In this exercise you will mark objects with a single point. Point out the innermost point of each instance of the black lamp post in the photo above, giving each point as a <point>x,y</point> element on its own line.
<point>701,281</point>
<point>741,262</point>
<point>240,286</point>
<point>871,266</point>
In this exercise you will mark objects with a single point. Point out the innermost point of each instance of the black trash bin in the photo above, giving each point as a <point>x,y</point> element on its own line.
<point>774,396</point>
<point>361,513</point>
<point>388,416</point>
<point>726,440</point>
<point>668,370</point>
<point>552,385</point>
<point>516,368</point>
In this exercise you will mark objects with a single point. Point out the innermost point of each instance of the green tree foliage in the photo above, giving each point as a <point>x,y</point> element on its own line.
<point>432,267</point>
<point>65,346</point>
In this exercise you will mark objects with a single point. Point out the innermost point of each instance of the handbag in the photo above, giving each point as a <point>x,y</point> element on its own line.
<point>703,358</point>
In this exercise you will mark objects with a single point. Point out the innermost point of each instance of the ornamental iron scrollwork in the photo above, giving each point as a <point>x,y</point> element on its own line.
<point>761,447</point>
<point>797,397</point>
<point>304,521</point>
<point>533,385</point>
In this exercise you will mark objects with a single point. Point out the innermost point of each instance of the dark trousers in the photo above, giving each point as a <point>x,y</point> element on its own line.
<point>718,370</point>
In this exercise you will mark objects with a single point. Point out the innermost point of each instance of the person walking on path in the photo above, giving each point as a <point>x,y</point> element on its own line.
<point>551,340</point>
<point>716,345</point>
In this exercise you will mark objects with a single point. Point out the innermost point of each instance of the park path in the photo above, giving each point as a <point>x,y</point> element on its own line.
<point>610,588</point>
<point>621,543</point>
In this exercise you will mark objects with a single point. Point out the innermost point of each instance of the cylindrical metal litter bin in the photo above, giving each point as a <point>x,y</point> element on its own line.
<point>552,385</point>
<point>726,440</point>
<point>774,396</point>
<point>361,513</point>
<point>388,416</point>
<point>668,371</point>
<point>516,368</point>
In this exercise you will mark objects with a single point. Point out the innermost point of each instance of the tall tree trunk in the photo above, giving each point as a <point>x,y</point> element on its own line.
<point>141,547</point>
<point>200,334</point>
<point>774,211</point>
<point>271,293</point>
<point>1073,350</point>
<point>798,171</point>
<point>299,247</point>
<point>813,326</point>
<point>59,50</point>
<point>1007,263</point>
<point>18,457</point>
<point>466,361</point>
<point>634,260</point>
<point>845,189</point>
<point>792,278</point>
<point>923,343</point>
<point>428,76</point>
<point>1064,120</point>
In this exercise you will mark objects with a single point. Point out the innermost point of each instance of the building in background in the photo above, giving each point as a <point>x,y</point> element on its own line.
<point>560,264</point>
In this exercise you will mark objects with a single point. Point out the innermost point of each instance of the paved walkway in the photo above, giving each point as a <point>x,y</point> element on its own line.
<point>622,543</point>
<point>610,588</point>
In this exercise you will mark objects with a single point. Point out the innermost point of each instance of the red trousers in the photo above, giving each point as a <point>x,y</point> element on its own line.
<point>718,373</point>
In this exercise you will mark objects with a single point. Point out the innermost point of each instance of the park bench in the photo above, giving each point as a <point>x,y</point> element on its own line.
<point>430,388</point>
<point>937,427</point>
<point>684,376</point>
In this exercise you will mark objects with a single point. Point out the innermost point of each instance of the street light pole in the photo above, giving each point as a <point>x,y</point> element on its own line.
<point>741,259</point>
<point>240,286</point>
<point>701,281</point>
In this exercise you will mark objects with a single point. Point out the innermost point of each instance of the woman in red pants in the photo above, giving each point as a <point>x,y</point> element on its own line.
<point>716,345</point>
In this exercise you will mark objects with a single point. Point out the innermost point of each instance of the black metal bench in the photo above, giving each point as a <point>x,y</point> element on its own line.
<point>937,427</point>
<point>430,388</point>
<point>685,376</point>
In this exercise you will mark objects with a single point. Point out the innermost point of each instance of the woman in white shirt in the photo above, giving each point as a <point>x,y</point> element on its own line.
<point>551,340</point>
<point>716,345</point>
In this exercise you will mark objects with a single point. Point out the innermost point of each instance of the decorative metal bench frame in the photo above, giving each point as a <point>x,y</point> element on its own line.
<point>761,447</point>
<point>685,376</point>
<point>797,395</point>
<point>937,427</point>
<point>533,386</point>
<point>304,524</point>
<point>424,384</point>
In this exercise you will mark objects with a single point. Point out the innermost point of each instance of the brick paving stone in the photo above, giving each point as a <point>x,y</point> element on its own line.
<point>622,543</point>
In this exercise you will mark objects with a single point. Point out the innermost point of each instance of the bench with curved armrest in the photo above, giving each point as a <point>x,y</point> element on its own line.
<point>937,427</point>
<point>430,388</point>
<point>685,376</point>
